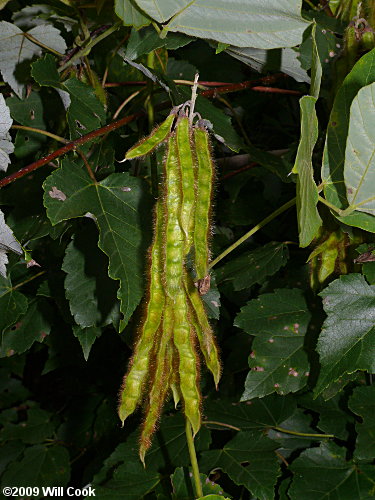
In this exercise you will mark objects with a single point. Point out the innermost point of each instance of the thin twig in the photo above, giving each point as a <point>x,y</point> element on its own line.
<point>45,47</point>
<point>123,104</point>
<point>87,165</point>
<point>42,132</point>
<point>68,147</point>
<point>221,424</point>
<point>193,99</point>
<point>252,231</point>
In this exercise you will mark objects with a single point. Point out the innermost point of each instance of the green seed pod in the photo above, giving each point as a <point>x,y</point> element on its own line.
<point>131,391</point>
<point>174,380</point>
<point>368,40</point>
<point>203,204</point>
<point>188,361</point>
<point>203,330</point>
<point>160,382</point>
<point>186,163</point>
<point>148,144</point>
<point>351,46</point>
<point>174,237</point>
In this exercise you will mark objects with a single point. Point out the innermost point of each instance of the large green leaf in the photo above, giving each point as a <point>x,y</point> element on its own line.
<point>29,112</point>
<point>34,430</point>
<point>332,418</point>
<point>40,466</point>
<point>278,363</point>
<point>253,266</point>
<point>249,459</point>
<point>120,207</point>
<point>130,14</point>
<point>15,48</point>
<point>262,413</point>
<point>347,340</point>
<point>91,294</point>
<point>265,25</point>
<point>361,75</point>
<point>362,403</point>
<point>323,473</point>
<point>309,220</point>
<point>359,169</point>
<point>34,326</point>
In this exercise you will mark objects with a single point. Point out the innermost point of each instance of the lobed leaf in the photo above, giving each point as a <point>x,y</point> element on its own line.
<point>15,48</point>
<point>249,459</point>
<point>346,343</point>
<point>345,480</point>
<point>253,266</point>
<point>362,403</point>
<point>117,203</point>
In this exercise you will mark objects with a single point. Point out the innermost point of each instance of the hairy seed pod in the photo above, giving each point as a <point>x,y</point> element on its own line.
<point>203,330</point>
<point>203,204</point>
<point>131,391</point>
<point>160,386</point>
<point>174,380</point>
<point>188,361</point>
<point>174,237</point>
<point>148,144</point>
<point>186,163</point>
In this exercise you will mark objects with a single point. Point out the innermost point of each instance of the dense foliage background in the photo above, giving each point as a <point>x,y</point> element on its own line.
<point>293,306</point>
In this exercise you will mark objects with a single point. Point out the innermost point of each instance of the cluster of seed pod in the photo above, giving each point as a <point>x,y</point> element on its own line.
<point>174,323</point>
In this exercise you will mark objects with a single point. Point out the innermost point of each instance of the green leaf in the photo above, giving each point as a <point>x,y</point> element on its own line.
<point>359,168</point>
<point>28,112</point>
<point>86,112</point>
<point>44,71</point>
<point>362,403</point>
<point>146,40</point>
<point>345,480</point>
<point>362,74</point>
<point>86,337</point>
<point>120,207</point>
<point>183,485</point>
<point>249,459</point>
<point>309,220</point>
<point>346,343</point>
<point>278,363</point>
<point>6,145</point>
<point>260,414</point>
<point>15,48</point>
<point>130,14</point>
<point>271,24</point>
<point>162,10</point>
<point>213,497</point>
<point>316,66</point>
<point>33,327</point>
<point>8,243</point>
<point>35,429</point>
<point>261,60</point>
<point>253,266</point>
<point>91,293</point>
<point>9,452</point>
<point>332,418</point>
<point>40,466</point>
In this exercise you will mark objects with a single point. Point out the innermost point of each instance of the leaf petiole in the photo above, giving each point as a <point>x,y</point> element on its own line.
<point>193,459</point>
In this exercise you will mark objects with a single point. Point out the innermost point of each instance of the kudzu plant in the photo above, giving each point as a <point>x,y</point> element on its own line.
<point>175,322</point>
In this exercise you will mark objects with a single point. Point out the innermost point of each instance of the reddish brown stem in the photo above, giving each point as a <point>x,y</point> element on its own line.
<point>238,171</point>
<point>273,90</point>
<point>68,147</point>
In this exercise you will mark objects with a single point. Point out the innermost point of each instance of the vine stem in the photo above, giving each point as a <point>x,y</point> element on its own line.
<point>303,434</point>
<point>85,50</point>
<point>68,147</point>
<point>42,132</point>
<point>252,231</point>
<point>193,459</point>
